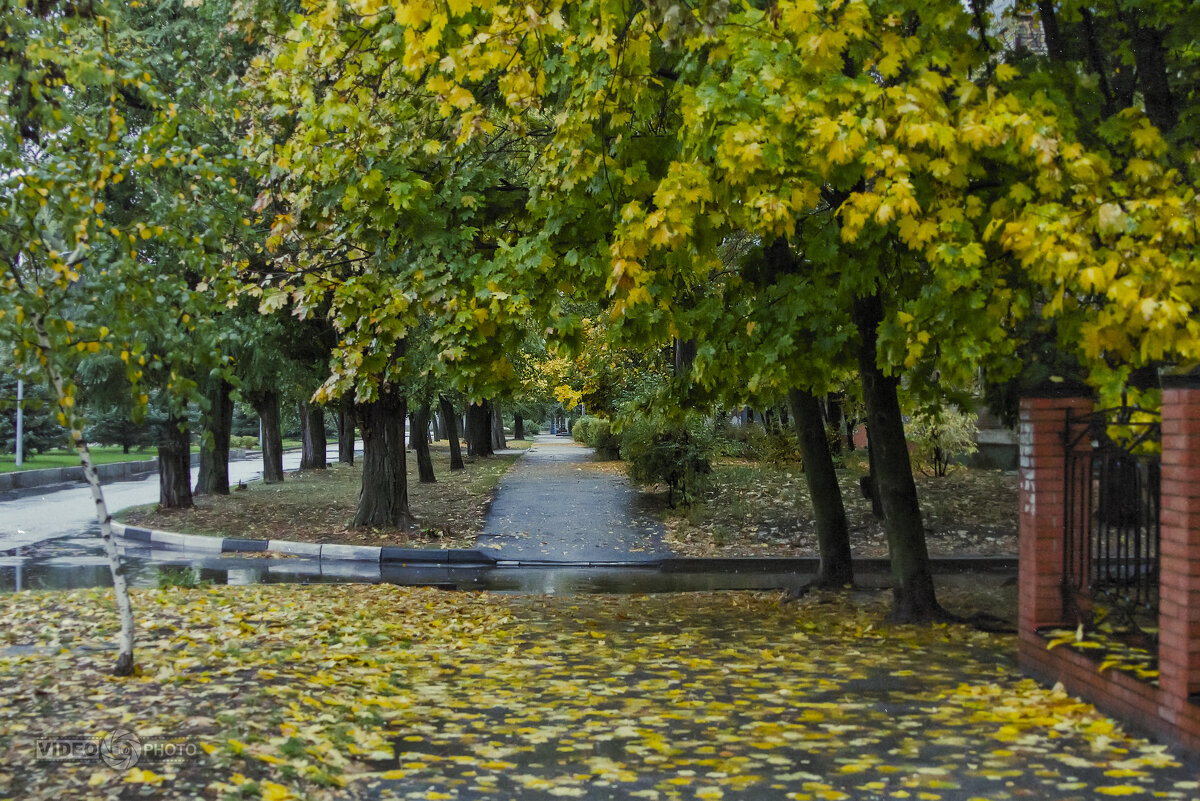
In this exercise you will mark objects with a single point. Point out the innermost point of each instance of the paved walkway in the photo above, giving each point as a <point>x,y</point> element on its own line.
<point>558,505</point>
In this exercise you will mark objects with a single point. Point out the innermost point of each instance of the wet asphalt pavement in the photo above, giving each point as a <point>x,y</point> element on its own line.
<point>559,505</point>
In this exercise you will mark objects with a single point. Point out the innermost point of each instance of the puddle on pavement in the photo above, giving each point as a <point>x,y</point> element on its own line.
<point>78,562</point>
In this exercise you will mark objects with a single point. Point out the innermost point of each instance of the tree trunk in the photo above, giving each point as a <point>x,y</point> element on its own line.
<point>498,442</point>
<point>420,424</point>
<point>345,432</point>
<point>116,567</point>
<point>175,465</point>
<point>869,486</point>
<point>449,419</point>
<point>435,421</point>
<point>1056,47</point>
<point>1150,55</point>
<point>383,498</point>
<point>312,437</point>
<point>913,591</point>
<point>266,403</point>
<point>518,426</point>
<point>213,478</point>
<point>833,536</point>
<point>479,429</point>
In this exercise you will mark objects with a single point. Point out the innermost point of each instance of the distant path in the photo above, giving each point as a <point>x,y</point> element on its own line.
<point>558,505</point>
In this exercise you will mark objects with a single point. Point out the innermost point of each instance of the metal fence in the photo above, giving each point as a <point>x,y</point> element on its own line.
<point>1111,527</point>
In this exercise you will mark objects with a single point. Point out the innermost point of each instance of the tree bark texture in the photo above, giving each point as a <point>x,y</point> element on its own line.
<point>213,478</point>
<point>498,441</point>
<point>383,498</point>
<point>913,591</point>
<point>125,663</point>
<point>266,403</point>
<point>518,426</point>
<point>833,536</point>
<point>175,465</point>
<point>450,421</point>
<point>420,424</point>
<point>312,437</point>
<point>1150,55</point>
<point>479,429</point>
<point>345,432</point>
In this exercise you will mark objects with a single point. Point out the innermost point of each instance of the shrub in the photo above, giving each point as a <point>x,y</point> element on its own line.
<point>777,447</point>
<point>606,443</point>
<point>581,430</point>
<point>672,453</point>
<point>937,437</point>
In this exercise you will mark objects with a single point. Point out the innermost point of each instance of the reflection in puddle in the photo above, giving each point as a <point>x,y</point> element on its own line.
<point>77,563</point>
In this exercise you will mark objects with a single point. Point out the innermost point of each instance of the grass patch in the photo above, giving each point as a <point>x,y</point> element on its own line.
<point>757,509</point>
<point>318,506</point>
<point>62,457</point>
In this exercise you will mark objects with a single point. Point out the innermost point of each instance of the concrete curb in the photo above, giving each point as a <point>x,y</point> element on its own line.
<point>461,557</point>
<point>144,537</point>
<point>117,471</point>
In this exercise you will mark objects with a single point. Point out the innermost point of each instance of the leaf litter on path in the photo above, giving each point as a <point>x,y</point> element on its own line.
<point>362,691</point>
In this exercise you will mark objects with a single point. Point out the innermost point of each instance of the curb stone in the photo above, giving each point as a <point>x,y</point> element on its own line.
<point>326,553</point>
<point>387,555</point>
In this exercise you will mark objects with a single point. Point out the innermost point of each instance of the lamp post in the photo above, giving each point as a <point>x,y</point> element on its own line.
<point>20,421</point>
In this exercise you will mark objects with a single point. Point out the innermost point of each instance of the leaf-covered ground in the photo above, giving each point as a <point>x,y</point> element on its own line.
<point>756,509</point>
<point>351,691</point>
<point>318,505</point>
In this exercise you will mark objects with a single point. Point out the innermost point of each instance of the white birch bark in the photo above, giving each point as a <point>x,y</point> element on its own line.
<point>66,403</point>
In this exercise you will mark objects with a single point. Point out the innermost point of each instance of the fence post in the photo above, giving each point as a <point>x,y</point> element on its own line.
<point>1179,582</point>
<point>1043,500</point>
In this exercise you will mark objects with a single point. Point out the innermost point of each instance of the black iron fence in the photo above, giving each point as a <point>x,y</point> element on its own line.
<point>1111,527</point>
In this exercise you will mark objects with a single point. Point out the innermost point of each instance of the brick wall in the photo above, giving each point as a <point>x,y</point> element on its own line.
<point>1164,710</point>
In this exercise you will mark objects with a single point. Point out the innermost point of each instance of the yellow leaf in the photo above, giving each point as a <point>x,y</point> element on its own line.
<point>275,792</point>
<point>1121,789</point>
<point>139,776</point>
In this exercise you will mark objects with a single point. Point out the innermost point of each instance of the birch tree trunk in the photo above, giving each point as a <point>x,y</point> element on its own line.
<point>66,403</point>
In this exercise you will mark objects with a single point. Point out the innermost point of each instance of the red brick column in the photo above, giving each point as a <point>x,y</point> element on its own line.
<point>1179,588</point>
<point>1043,500</point>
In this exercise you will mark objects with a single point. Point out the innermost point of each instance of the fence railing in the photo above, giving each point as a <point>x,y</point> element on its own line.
<point>1111,525</point>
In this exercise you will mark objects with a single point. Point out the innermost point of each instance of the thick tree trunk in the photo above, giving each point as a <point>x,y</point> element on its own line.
<point>116,567</point>
<point>518,426</point>
<point>266,403</point>
<point>1150,55</point>
<point>213,478</point>
<point>420,424</point>
<point>312,437</point>
<point>913,591</point>
<point>833,537</point>
<point>383,498</point>
<point>498,441</point>
<point>345,432</point>
<point>450,418</point>
<point>479,429</point>
<point>175,465</point>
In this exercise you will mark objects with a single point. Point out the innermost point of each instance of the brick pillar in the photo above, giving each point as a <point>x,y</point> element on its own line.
<point>1043,500</point>
<point>1179,560</point>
